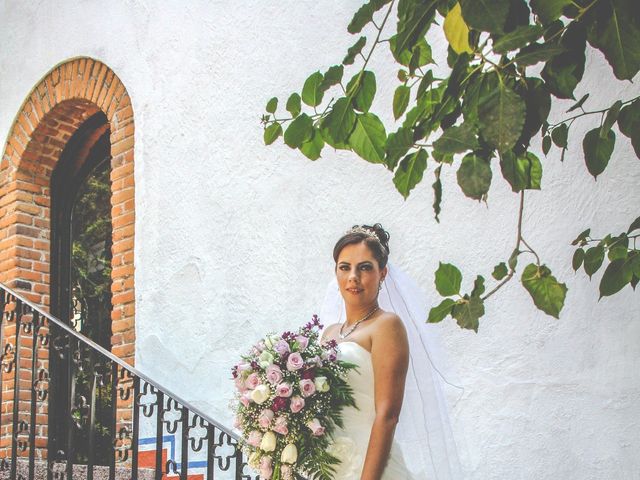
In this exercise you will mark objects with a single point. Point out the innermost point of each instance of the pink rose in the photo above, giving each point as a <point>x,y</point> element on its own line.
<point>274,374</point>
<point>252,381</point>
<point>265,417</point>
<point>280,426</point>
<point>254,438</point>
<point>316,428</point>
<point>236,422</point>
<point>297,404</point>
<point>284,390</point>
<point>240,385</point>
<point>302,342</point>
<point>245,400</point>
<point>286,471</point>
<point>243,367</point>
<point>295,362</point>
<point>282,347</point>
<point>307,387</point>
<point>265,468</point>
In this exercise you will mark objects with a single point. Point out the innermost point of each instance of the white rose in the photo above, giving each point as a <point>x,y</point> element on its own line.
<point>322,385</point>
<point>265,359</point>
<point>268,443</point>
<point>260,394</point>
<point>271,340</point>
<point>289,454</point>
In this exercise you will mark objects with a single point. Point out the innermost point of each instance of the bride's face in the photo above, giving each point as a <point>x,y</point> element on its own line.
<point>359,274</point>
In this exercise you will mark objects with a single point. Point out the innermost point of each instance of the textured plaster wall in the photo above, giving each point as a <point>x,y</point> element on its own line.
<point>234,238</point>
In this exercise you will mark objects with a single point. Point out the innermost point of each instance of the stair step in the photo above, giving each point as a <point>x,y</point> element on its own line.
<point>79,472</point>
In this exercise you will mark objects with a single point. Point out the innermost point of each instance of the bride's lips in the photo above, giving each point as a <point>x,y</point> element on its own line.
<point>354,291</point>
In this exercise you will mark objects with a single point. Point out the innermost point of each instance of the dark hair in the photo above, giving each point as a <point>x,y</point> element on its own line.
<point>379,246</point>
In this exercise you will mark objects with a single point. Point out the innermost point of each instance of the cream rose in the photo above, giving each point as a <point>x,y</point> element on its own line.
<point>289,454</point>
<point>322,384</point>
<point>265,359</point>
<point>260,394</point>
<point>268,443</point>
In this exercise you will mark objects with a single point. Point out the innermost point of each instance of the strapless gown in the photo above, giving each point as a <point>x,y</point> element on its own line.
<point>351,442</point>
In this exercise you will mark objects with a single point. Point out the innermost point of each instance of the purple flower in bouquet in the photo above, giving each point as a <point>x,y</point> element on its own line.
<point>280,403</point>
<point>302,342</point>
<point>282,347</point>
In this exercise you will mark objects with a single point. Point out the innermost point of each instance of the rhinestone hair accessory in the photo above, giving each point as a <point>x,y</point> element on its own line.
<point>365,231</point>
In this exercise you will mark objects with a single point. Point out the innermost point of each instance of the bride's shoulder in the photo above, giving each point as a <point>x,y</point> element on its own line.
<point>329,332</point>
<point>389,325</point>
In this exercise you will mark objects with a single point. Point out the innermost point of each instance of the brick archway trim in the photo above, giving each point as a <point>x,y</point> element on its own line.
<point>65,97</point>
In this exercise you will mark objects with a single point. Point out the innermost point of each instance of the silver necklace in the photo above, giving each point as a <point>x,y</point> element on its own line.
<point>355,325</point>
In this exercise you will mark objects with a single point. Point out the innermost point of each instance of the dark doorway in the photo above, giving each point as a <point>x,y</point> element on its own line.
<point>81,238</point>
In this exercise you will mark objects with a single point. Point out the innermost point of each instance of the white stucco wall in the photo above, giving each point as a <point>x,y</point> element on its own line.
<point>234,238</point>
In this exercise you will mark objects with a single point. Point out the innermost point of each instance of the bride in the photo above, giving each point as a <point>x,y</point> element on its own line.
<point>399,429</point>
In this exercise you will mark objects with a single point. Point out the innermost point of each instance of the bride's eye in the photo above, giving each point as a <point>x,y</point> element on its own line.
<point>344,268</point>
<point>366,267</point>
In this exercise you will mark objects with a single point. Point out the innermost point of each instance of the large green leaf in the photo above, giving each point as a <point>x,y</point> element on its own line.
<point>368,138</point>
<point>332,76</point>
<point>548,294</point>
<point>362,88</point>
<point>456,140</point>
<point>536,53</point>
<point>398,144</point>
<point>404,57</point>
<point>474,176</point>
<point>448,279</point>
<point>354,50</point>
<point>272,132</point>
<point>414,26</point>
<point>593,259</point>
<point>538,103</point>
<point>616,32</point>
<point>563,73</point>
<point>409,172</point>
<point>272,105</point>
<point>439,313</point>
<point>485,15</point>
<point>340,120</point>
<point>299,131</point>
<point>548,10</point>
<point>502,114</point>
<point>629,124</point>
<point>312,91</point>
<point>457,31</point>
<point>499,271</point>
<point>293,105</point>
<point>598,150</point>
<point>467,312</point>
<point>400,100</point>
<point>617,274</point>
<point>518,38</point>
<point>523,172</point>
<point>312,148</point>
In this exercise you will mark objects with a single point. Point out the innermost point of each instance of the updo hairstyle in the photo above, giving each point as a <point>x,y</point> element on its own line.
<point>379,245</point>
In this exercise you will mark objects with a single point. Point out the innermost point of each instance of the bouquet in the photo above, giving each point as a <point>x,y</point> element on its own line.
<point>290,390</point>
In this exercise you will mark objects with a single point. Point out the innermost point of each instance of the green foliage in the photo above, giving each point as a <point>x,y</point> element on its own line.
<point>509,60</point>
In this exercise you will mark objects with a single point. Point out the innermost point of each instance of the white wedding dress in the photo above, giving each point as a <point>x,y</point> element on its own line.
<point>351,443</point>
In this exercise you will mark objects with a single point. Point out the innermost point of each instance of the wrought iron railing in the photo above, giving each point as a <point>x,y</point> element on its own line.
<point>153,433</point>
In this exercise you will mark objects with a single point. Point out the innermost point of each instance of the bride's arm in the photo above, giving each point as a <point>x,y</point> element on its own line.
<point>390,357</point>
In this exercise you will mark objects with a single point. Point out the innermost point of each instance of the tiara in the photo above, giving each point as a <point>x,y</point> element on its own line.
<point>365,231</point>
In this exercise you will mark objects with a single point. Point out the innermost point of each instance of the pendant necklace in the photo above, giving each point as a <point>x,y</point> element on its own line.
<point>355,325</point>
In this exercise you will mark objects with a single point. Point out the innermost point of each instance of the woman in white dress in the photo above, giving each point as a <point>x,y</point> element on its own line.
<point>378,341</point>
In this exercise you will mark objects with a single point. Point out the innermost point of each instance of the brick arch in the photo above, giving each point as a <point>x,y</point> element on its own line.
<point>56,107</point>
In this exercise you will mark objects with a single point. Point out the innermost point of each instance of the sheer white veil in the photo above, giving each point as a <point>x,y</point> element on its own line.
<point>424,431</point>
